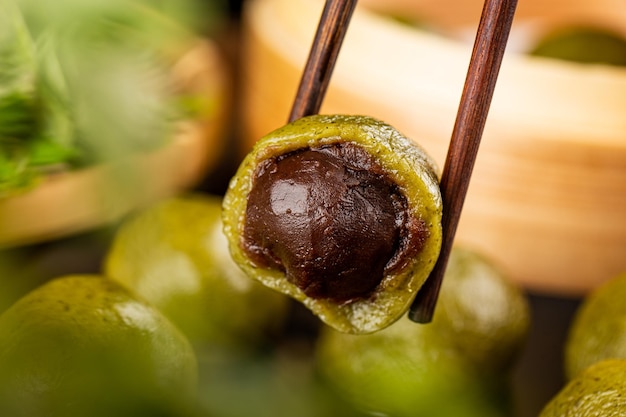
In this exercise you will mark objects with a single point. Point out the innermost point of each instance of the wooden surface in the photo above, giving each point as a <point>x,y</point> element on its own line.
<point>77,201</point>
<point>548,192</point>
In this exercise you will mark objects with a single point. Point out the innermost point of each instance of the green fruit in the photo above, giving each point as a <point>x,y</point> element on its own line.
<point>599,390</point>
<point>84,346</point>
<point>174,254</point>
<point>598,330</point>
<point>457,365</point>
<point>303,215</point>
<point>584,45</point>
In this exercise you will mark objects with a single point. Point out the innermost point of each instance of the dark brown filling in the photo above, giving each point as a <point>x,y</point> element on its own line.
<point>331,219</point>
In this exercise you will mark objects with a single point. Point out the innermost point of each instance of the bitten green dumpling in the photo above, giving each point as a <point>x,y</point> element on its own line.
<point>342,213</point>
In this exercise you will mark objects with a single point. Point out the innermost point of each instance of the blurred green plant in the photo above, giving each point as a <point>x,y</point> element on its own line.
<point>86,81</point>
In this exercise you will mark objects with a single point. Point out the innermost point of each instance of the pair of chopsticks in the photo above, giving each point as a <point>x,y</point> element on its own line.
<point>490,43</point>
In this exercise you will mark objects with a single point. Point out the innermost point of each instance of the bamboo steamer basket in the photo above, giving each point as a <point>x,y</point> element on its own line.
<point>71,202</point>
<point>547,199</point>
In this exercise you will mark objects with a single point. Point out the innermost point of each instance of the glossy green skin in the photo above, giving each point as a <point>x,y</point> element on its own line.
<point>599,390</point>
<point>457,365</point>
<point>598,330</point>
<point>584,45</point>
<point>405,163</point>
<point>85,346</point>
<point>174,254</point>
<point>481,313</point>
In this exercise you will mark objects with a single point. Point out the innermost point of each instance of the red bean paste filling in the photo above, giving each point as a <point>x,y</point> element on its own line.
<point>331,219</point>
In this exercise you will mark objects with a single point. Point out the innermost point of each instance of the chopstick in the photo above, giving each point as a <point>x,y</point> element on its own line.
<point>490,43</point>
<point>322,57</point>
<point>491,38</point>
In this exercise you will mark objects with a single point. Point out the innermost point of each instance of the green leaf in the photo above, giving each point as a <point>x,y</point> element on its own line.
<point>18,109</point>
<point>44,152</point>
<point>17,54</point>
<point>14,173</point>
<point>18,116</point>
<point>83,82</point>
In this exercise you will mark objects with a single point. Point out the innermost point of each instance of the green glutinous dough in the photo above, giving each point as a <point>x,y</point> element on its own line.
<point>458,365</point>
<point>83,345</point>
<point>599,390</point>
<point>175,255</point>
<point>585,45</point>
<point>342,213</point>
